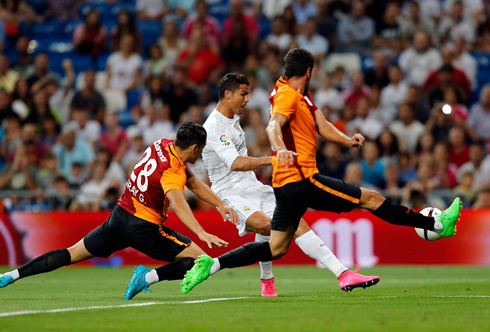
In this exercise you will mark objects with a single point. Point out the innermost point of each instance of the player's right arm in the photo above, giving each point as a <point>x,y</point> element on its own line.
<point>274,132</point>
<point>184,212</point>
<point>329,131</point>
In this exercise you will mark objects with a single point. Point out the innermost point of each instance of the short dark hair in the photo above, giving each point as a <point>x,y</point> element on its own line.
<point>190,133</point>
<point>297,62</point>
<point>231,82</point>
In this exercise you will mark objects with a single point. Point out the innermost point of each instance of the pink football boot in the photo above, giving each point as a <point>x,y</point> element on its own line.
<point>268,288</point>
<point>351,279</point>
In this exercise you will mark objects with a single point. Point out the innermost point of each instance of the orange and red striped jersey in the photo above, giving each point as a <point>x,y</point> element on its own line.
<point>299,134</point>
<point>159,170</point>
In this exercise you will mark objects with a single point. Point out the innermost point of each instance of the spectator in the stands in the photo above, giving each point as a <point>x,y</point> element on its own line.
<point>240,33</point>
<point>11,139</point>
<point>425,147</point>
<point>388,147</point>
<point>458,110</point>
<point>372,166</point>
<point>60,199</point>
<point>418,103</point>
<point>91,192</point>
<point>364,122</point>
<point>151,9</point>
<point>208,22</point>
<point>40,69</point>
<point>19,174</point>
<point>355,32</point>
<point>89,98</point>
<point>171,42</point>
<point>444,172</point>
<point>455,77</point>
<point>13,13</point>
<point>418,60</point>
<point>133,155</point>
<point>353,174</point>
<point>327,95</point>
<point>21,98</point>
<point>32,144</point>
<point>331,162</point>
<point>479,170</point>
<point>156,64</point>
<point>406,172</point>
<point>455,25</point>
<point>463,60</point>
<point>8,76</point>
<point>153,94</point>
<point>126,25</point>
<point>290,21</point>
<point>395,92</point>
<point>479,120</point>
<point>178,96</point>
<point>414,22</point>
<point>152,126</point>
<point>124,67</point>
<point>63,10</point>
<point>77,176</point>
<point>312,41</point>
<point>198,59</point>
<point>472,9</point>
<point>279,37</point>
<point>327,24</point>
<point>22,58</point>
<point>5,107</point>
<point>483,36</point>
<point>85,129</point>
<point>90,37</point>
<point>379,74</point>
<point>114,139</point>
<point>357,91</point>
<point>41,109</point>
<point>304,10</point>
<point>50,132</point>
<point>465,189</point>
<point>258,97</point>
<point>48,171</point>
<point>376,108</point>
<point>115,172</point>
<point>483,199</point>
<point>459,152</point>
<point>388,35</point>
<point>71,150</point>
<point>407,129</point>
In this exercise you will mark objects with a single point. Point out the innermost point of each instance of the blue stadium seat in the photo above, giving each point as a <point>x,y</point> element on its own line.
<point>483,76</point>
<point>125,118</point>
<point>367,63</point>
<point>150,28</point>
<point>265,28</point>
<point>133,97</point>
<point>128,6</point>
<point>47,28</point>
<point>102,61</point>
<point>482,59</point>
<point>103,9</point>
<point>80,62</point>
<point>70,27</point>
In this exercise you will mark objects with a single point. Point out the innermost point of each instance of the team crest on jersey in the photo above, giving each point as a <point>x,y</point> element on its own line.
<point>224,140</point>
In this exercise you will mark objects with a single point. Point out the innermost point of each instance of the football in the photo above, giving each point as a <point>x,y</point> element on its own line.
<point>425,234</point>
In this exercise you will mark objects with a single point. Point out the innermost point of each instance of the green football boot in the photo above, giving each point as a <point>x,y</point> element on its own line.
<point>198,273</point>
<point>449,217</point>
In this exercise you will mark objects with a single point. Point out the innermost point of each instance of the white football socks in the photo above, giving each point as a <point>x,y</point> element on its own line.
<point>315,248</point>
<point>14,274</point>
<point>438,226</point>
<point>152,277</point>
<point>265,267</point>
<point>215,267</point>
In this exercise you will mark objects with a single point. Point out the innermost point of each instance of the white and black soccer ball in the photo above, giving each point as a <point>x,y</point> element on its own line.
<point>425,234</point>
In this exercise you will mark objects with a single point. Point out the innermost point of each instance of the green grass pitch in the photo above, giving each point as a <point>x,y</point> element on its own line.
<point>406,299</point>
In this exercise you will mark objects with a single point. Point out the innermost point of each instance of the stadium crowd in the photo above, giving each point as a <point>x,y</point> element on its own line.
<point>85,87</point>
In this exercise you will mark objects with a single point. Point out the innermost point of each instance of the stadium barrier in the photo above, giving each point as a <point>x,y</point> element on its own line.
<point>356,237</point>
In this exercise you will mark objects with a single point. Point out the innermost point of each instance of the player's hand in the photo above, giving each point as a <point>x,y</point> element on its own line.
<point>286,157</point>
<point>228,214</point>
<point>212,240</point>
<point>357,141</point>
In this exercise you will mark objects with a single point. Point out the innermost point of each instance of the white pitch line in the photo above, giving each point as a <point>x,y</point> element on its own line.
<point>31,312</point>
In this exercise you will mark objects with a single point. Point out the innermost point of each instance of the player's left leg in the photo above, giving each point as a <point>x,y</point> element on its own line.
<point>47,262</point>
<point>397,214</point>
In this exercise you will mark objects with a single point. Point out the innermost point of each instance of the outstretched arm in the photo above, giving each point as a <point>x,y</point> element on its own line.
<point>202,191</point>
<point>184,212</point>
<point>330,132</point>
<point>244,164</point>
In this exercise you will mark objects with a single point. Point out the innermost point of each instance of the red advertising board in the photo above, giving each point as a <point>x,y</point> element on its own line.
<point>356,237</point>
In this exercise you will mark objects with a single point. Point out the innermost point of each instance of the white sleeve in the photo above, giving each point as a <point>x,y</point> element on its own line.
<point>222,145</point>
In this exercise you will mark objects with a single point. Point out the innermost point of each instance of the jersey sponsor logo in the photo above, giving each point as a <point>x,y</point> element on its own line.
<point>224,140</point>
<point>354,241</point>
<point>246,208</point>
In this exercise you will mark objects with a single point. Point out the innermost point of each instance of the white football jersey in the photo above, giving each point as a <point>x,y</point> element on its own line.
<point>225,142</point>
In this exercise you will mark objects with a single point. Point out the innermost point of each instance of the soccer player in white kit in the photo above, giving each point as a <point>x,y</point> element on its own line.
<point>231,174</point>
